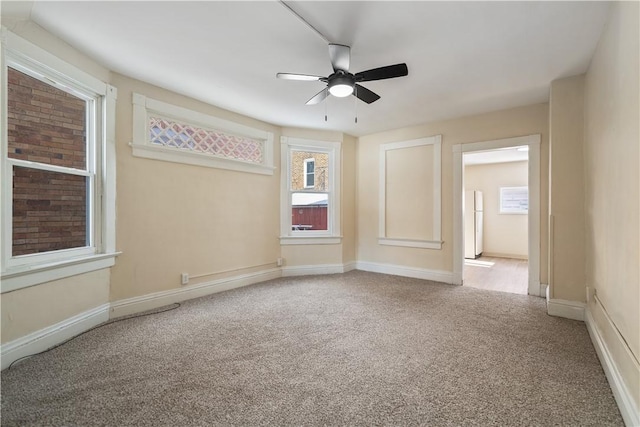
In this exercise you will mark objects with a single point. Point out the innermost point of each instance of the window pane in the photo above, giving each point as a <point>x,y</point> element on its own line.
<point>309,211</point>
<point>309,173</point>
<point>319,167</point>
<point>187,137</point>
<point>45,124</point>
<point>49,211</point>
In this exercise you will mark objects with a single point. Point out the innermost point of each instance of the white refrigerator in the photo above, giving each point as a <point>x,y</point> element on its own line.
<point>472,224</point>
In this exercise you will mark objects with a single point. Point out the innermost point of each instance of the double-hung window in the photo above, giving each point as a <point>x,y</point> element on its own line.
<point>310,201</point>
<point>57,200</point>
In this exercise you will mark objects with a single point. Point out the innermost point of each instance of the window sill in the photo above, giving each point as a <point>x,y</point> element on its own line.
<point>423,244</point>
<point>25,276</point>
<point>177,155</point>
<point>310,240</point>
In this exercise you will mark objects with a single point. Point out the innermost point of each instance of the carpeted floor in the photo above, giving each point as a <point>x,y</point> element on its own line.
<point>353,349</point>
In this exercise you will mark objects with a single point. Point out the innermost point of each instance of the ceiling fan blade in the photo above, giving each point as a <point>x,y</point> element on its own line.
<point>365,94</point>
<point>318,97</point>
<point>291,76</point>
<point>388,72</point>
<point>340,57</point>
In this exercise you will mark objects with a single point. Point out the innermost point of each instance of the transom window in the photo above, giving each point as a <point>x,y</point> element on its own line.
<point>170,133</point>
<point>167,132</point>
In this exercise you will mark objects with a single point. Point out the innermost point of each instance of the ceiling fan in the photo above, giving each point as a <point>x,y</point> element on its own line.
<point>342,83</point>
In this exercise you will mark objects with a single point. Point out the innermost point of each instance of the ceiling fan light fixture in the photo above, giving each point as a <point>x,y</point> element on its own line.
<point>341,86</point>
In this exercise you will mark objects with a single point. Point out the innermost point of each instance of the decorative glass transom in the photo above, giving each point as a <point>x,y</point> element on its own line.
<point>187,137</point>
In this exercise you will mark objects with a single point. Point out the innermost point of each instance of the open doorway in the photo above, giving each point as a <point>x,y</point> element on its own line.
<point>533,217</point>
<point>495,209</point>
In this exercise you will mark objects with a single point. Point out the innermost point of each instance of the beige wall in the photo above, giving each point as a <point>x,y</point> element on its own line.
<point>612,183</point>
<point>409,181</point>
<point>505,235</point>
<point>496,125</point>
<point>30,309</point>
<point>348,203</point>
<point>566,195</point>
<point>174,218</point>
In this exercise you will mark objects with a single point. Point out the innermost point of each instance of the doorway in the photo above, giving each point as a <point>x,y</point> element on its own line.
<point>495,206</point>
<point>533,217</point>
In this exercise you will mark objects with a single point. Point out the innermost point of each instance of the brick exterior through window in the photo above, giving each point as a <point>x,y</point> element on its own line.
<point>46,125</point>
<point>321,182</point>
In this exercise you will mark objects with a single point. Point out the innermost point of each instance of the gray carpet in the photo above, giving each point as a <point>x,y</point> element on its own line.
<point>352,349</point>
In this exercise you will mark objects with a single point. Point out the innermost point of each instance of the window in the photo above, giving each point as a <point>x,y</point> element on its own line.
<point>166,132</point>
<point>56,200</point>
<point>514,200</point>
<point>309,173</point>
<point>310,192</point>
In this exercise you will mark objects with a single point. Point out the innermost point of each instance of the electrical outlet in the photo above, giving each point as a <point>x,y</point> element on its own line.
<point>184,278</point>
<point>280,262</point>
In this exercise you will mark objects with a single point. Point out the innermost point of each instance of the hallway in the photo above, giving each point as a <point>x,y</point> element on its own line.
<point>497,274</point>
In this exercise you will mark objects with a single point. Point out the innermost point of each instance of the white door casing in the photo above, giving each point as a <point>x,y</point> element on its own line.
<point>533,141</point>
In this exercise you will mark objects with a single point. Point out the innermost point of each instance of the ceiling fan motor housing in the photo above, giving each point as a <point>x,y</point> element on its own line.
<point>341,84</point>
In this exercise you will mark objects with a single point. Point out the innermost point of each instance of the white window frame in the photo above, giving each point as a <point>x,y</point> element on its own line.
<point>306,173</point>
<point>306,237</point>
<point>507,191</point>
<point>144,108</point>
<point>32,269</point>
<point>383,237</point>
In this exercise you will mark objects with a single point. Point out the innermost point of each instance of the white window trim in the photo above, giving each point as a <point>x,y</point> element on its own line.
<point>295,237</point>
<point>513,211</point>
<point>383,239</point>
<point>144,108</point>
<point>306,172</point>
<point>29,270</point>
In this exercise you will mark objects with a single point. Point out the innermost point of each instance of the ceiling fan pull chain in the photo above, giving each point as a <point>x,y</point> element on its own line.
<point>325,108</point>
<point>355,100</point>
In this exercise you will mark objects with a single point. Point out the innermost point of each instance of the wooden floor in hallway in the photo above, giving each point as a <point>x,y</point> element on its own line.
<point>497,274</point>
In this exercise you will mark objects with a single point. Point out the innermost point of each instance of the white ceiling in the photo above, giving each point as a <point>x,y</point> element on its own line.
<point>463,57</point>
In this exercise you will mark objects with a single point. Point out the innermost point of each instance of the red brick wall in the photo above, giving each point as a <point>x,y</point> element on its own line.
<point>46,125</point>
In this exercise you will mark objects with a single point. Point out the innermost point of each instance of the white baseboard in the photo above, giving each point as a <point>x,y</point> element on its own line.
<point>504,255</point>
<point>308,270</point>
<point>564,308</point>
<point>400,270</point>
<point>350,266</point>
<point>543,290</point>
<point>567,309</point>
<point>457,278</point>
<point>50,336</point>
<point>612,367</point>
<point>158,299</point>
